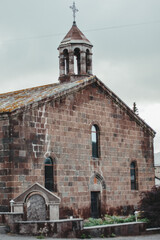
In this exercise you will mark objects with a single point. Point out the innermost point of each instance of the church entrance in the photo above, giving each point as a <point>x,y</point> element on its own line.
<point>95,204</point>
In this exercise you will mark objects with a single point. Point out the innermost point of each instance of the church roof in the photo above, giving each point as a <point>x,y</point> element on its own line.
<point>75,36</point>
<point>13,101</point>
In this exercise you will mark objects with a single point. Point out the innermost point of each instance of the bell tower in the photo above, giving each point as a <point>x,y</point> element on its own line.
<point>75,54</point>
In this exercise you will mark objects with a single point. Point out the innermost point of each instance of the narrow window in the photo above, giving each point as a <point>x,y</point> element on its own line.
<point>49,183</point>
<point>87,61</point>
<point>133,172</point>
<point>77,66</point>
<point>95,141</point>
<point>66,61</point>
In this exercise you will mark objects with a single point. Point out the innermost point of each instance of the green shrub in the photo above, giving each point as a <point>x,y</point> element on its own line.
<point>108,220</point>
<point>83,236</point>
<point>131,218</point>
<point>40,237</point>
<point>93,222</point>
<point>145,220</point>
<point>113,235</point>
<point>102,236</point>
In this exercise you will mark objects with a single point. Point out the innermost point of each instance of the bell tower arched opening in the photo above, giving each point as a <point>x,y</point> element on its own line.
<point>87,61</point>
<point>77,61</point>
<point>66,61</point>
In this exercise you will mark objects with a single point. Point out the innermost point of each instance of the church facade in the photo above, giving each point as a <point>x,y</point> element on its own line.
<point>76,138</point>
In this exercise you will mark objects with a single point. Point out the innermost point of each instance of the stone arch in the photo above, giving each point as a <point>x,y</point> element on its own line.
<point>36,192</point>
<point>96,123</point>
<point>97,182</point>
<point>51,155</point>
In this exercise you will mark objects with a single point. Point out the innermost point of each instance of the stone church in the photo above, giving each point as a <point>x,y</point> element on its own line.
<point>76,139</point>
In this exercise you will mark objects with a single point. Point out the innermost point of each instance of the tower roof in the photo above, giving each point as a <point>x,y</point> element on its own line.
<point>75,36</point>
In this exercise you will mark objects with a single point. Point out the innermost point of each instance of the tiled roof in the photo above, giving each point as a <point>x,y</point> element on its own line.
<point>14,100</point>
<point>75,36</point>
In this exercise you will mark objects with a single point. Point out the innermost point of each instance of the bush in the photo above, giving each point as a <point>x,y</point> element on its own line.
<point>149,206</point>
<point>93,222</point>
<point>108,220</point>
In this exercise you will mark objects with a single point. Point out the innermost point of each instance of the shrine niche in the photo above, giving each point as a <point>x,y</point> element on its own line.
<point>37,204</point>
<point>36,208</point>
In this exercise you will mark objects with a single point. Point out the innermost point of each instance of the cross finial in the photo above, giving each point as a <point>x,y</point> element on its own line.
<point>74,9</point>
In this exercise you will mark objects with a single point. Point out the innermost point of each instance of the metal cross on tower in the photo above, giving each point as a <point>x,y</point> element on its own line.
<point>74,9</point>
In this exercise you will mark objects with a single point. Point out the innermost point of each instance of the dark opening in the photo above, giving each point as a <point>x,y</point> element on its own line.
<point>95,204</point>
<point>66,61</point>
<point>49,183</point>
<point>133,173</point>
<point>77,66</point>
<point>87,61</point>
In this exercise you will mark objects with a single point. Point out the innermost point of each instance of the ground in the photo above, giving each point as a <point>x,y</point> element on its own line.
<point>15,237</point>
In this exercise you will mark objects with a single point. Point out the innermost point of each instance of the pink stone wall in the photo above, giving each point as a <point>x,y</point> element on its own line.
<point>6,178</point>
<point>61,129</point>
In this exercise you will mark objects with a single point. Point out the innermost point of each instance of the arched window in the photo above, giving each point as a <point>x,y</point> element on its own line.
<point>95,141</point>
<point>49,178</point>
<point>77,64</point>
<point>134,176</point>
<point>87,60</point>
<point>66,61</point>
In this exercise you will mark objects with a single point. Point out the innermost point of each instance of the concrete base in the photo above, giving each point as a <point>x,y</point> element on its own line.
<point>65,228</point>
<point>153,230</point>
<point>4,229</point>
<point>123,229</point>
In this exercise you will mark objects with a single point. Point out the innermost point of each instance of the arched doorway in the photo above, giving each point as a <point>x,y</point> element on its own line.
<point>97,187</point>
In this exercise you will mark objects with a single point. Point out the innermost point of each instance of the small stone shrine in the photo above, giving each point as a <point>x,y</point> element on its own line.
<point>37,204</point>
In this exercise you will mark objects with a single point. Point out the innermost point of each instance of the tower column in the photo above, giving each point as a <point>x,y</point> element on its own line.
<point>90,64</point>
<point>61,64</point>
<point>71,63</point>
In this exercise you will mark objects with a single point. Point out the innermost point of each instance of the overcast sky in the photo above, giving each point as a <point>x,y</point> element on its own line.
<point>126,53</point>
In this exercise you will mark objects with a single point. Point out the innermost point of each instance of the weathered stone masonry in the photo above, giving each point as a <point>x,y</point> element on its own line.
<point>6,177</point>
<point>54,123</point>
<point>61,128</point>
